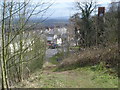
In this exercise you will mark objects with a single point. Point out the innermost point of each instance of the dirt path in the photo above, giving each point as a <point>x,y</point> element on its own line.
<point>78,78</point>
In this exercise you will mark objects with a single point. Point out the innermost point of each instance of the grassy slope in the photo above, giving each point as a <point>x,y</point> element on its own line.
<point>91,57</point>
<point>85,77</point>
<point>78,71</point>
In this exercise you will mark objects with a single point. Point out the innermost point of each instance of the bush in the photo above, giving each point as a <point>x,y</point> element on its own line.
<point>106,57</point>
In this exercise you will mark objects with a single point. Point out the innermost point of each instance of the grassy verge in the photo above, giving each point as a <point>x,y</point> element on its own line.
<point>56,59</point>
<point>85,77</point>
<point>75,48</point>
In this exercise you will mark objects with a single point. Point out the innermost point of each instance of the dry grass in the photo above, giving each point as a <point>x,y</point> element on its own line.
<point>92,56</point>
<point>77,78</point>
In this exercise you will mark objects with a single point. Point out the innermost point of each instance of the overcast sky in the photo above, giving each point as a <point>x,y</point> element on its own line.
<point>65,8</point>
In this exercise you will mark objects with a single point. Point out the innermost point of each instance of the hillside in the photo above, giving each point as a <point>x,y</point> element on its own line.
<point>51,21</point>
<point>77,78</point>
<point>108,56</point>
<point>68,74</point>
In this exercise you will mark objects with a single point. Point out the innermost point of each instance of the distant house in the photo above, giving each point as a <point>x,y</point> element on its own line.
<point>55,34</point>
<point>50,38</point>
<point>59,41</point>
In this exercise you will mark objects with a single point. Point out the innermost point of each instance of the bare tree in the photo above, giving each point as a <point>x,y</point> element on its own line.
<point>17,43</point>
<point>85,10</point>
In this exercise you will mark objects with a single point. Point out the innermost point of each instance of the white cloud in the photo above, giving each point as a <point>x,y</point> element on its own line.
<point>64,1</point>
<point>103,1</point>
<point>98,1</point>
<point>56,1</point>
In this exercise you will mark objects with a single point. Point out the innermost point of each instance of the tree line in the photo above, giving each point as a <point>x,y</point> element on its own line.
<point>94,30</point>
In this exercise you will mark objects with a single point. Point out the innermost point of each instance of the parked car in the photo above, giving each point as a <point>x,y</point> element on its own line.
<point>53,46</point>
<point>48,43</point>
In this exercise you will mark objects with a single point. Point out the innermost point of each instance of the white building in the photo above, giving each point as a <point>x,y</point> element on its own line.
<point>55,35</point>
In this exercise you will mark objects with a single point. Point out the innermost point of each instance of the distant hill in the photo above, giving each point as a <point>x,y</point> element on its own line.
<point>48,22</point>
<point>51,21</point>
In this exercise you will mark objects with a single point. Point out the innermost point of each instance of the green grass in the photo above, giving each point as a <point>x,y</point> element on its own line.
<point>85,77</point>
<point>77,71</point>
<point>98,67</point>
<point>75,47</point>
<point>56,58</point>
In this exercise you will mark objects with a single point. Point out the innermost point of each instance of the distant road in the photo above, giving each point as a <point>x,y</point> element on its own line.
<point>50,53</point>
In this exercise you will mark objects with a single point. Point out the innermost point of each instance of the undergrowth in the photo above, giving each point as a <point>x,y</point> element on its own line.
<point>97,59</point>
